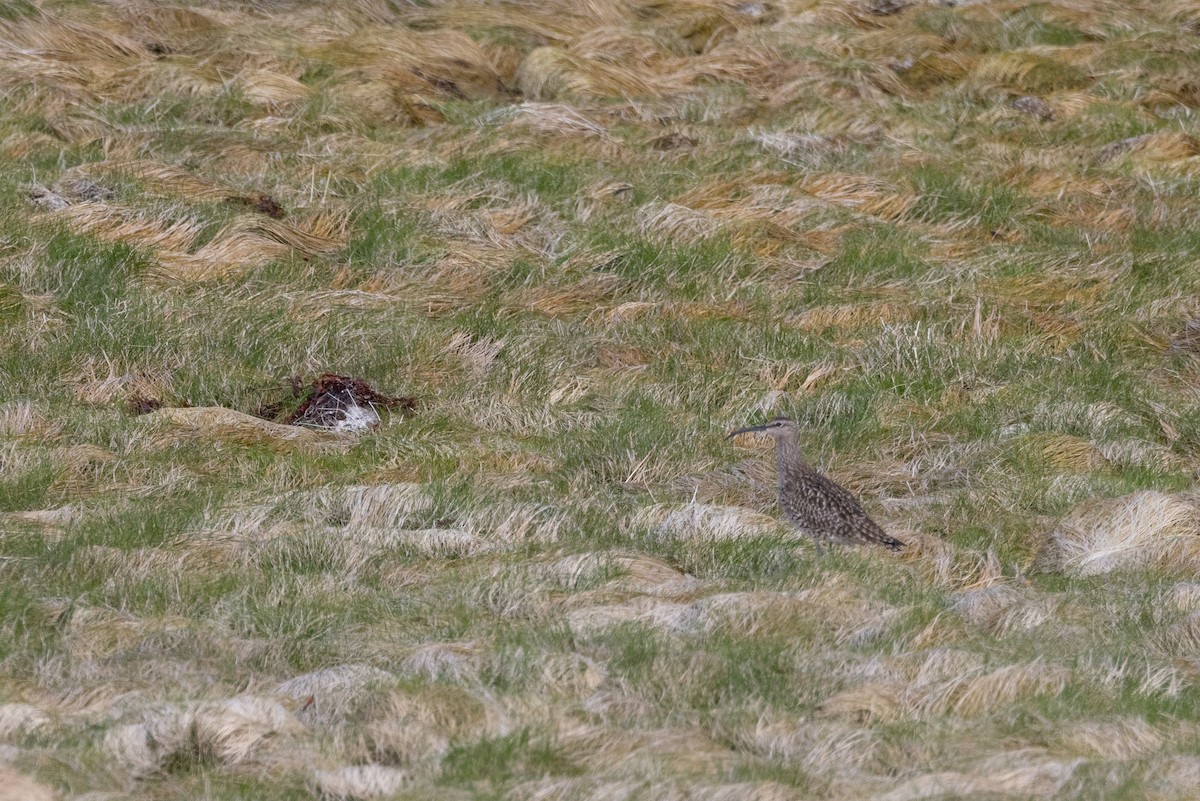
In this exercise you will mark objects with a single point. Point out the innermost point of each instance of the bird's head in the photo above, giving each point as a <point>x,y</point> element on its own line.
<point>776,427</point>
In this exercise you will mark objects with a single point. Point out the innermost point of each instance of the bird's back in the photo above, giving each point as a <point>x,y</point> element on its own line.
<point>816,504</point>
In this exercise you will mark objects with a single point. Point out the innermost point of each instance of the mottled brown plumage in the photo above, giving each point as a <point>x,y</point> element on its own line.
<point>814,503</point>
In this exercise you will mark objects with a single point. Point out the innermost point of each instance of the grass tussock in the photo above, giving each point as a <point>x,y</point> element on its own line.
<point>580,242</point>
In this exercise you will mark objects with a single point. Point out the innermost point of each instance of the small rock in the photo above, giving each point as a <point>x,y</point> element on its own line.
<point>672,141</point>
<point>1111,151</point>
<point>79,188</point>
<point>260,202</point>
<point>41,196</point>
<point>885,8</point>
<point>1035,107</point>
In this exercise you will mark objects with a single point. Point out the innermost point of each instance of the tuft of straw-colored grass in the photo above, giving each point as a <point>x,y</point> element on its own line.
<point>954,241</point>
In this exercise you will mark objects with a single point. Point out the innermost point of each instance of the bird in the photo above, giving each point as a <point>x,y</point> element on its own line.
<point>814,503</point>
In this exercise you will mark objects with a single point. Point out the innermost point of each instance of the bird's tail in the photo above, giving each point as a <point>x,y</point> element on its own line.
<point>888,541</point>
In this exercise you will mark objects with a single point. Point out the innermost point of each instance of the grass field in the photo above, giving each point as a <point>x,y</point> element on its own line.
<point>958,242</point>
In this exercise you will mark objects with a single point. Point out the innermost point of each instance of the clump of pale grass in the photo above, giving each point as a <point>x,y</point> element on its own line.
<point>1113,739</point>
<point>453,711</point>
<point>639,751</point>
<point>249,240</point>
<point>1173,777</point>
<point>361,782</point>
<point>572,675</point>
<point>803,147</point>
<point>669,616</point>
<point>1148,677</point>
<point>638,572</point>
<point>215,423</point>
<point>697,521</point>
<point>862,193</point>
<point>1022,774</point>
<point>450,661</point>
<point>50,518</point>
<point>1154,149</point>
<point>233,731</point>
<point>228,732</point>
<point>945,565</point>
<point>446,542</point>
<point>552,119</point>
<point>842,612</point>
<point>17,720</point>
<point>145,748</point>
<point>947,683</point>
<point>677,222</point>
<point>822,747</point>
<point>336,693</point>
<point>1143,530</point>
<point>610,789</point>
<point>446,62</point>
<point>404,743</point>
<point>19,419</point>
<point>16,786</point>
<point>1182,636</point>
<point>477,354</point>
<point>1001,609</point>
<point>1185,596</point>
<point>379,506</point>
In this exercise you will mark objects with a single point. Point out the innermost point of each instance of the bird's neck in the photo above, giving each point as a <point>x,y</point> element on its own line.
<point>787,452</point>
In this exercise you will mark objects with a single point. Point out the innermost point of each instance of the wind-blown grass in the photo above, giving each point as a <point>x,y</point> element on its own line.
<point>955,242</point>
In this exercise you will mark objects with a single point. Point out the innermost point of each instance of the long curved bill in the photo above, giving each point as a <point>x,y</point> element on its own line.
<point>746,430</point>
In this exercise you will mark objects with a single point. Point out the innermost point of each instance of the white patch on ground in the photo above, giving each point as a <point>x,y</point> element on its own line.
<point>356,419</point>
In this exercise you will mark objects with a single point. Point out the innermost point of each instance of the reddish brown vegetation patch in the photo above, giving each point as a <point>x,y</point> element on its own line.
<point>260,202</point>
<point>141,404</point>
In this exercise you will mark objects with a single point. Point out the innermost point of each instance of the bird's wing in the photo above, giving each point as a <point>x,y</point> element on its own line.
<point>839,513</point>
<point>821,503</point>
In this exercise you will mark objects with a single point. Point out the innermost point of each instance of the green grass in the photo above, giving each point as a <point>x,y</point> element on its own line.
<point>966,309</point>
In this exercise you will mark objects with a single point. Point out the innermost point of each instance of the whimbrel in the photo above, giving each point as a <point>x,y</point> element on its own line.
<point>814,503</point>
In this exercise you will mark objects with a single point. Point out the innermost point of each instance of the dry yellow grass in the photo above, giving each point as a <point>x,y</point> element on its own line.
<point>954,240</point>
